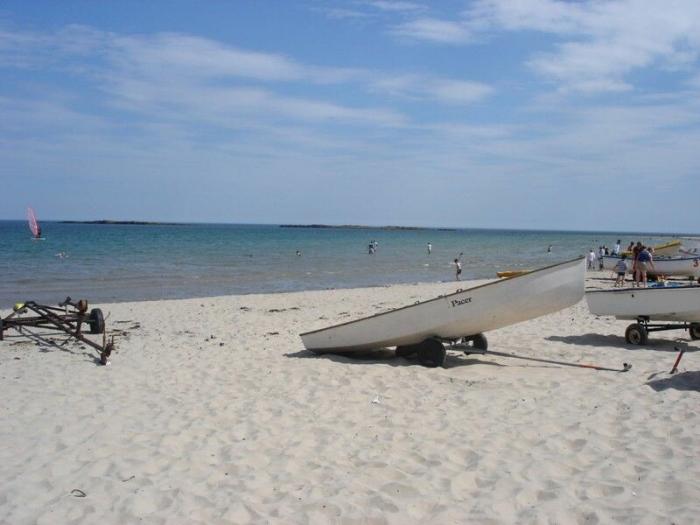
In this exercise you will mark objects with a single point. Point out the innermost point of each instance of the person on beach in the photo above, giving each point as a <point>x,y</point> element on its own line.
<point>601,254</point>
<point>616,248</point>
<point>631,246</point>
<point>371,248</point>
<point>621,270</point>
<point>549,249</point>
<point>636,248</point>
<point>458,268</point>
<point>645,261</point>
<point>298,253</point>
<point>591,260</point>
<point>430,248</point>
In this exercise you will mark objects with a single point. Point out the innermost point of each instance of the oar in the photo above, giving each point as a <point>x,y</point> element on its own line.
<point>625,366</point>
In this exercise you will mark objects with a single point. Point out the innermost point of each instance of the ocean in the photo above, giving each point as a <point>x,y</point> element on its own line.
<point>112,262</point>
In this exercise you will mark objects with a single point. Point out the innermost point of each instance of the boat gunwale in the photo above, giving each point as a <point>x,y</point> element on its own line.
<point>580,258</point>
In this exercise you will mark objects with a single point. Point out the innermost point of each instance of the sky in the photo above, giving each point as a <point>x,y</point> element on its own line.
<point>532,114</point>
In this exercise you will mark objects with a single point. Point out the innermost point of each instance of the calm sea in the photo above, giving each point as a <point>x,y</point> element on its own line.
<point>139,262</point>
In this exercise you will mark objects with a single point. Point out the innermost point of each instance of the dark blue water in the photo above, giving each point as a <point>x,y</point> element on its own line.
<point>137,262</point>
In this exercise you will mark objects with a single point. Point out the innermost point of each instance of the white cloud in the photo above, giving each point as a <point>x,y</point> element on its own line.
<point>443,90</point>
<point>434,30</point>
<point>458,92</point>
<point>600,42</point>
<point>396,5</point>
<point>183,54</point>
<point>340,13</point>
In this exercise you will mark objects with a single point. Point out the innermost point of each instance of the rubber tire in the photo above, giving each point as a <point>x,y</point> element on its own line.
<point>480,342</point>
<point>97,321</point>
<point>694,331</point>
<point>432,353</point>
<point>406,350</point>
<point>636,334</point>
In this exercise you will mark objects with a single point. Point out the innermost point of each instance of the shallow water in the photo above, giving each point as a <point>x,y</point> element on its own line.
<point>142,262</point>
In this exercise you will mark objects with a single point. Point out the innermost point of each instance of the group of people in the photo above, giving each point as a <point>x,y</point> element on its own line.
<point>602,252</point>
<point>373,245</point>
<point>642,261</point>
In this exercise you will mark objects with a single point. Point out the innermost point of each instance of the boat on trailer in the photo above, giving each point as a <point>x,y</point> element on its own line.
<point>458,319</point>
<point>654,309</point>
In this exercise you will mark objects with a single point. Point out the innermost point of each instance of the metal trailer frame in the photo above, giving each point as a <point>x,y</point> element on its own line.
<point>68,317</point>
<point>638,333</point>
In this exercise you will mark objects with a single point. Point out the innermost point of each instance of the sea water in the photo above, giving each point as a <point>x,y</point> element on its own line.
<point>111,262</point>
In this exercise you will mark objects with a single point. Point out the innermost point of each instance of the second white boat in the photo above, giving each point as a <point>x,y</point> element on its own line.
<point>678,266</point>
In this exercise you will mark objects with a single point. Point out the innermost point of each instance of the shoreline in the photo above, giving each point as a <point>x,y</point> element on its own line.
<point>591,276</point>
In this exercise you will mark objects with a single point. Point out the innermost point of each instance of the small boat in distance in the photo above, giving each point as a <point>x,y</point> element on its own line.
<point>34,226</point>
<point>423,327</point>
<point>668,249</point>
<point>511,273</point>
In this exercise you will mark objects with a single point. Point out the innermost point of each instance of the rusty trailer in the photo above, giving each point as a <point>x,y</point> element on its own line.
<point>68,317</point>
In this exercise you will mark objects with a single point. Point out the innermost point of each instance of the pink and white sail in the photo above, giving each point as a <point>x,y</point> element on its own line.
<point>33,224</point>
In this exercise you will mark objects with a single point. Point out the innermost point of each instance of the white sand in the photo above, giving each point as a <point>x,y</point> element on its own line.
<point>248,427</point>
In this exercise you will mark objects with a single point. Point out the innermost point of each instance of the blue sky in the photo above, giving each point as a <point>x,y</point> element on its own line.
<point>492,113</point>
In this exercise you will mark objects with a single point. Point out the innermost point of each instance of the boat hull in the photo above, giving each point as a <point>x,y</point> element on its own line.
<point>678,303</point>
<point>511,273</point>
<point>464,313</point>
<point>679,266</point>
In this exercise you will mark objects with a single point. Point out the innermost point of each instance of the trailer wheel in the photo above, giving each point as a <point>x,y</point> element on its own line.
<point>431,353</point>
<point>694,331</point>
<point>406,351</point>
<point>636,334</point>
<point>480,342</point>
<point>97,321</point>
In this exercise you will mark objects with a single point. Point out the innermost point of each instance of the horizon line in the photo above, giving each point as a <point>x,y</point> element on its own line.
<point>360,226</point>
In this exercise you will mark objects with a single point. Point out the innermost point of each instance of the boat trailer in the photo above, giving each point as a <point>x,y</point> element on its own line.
<point>433,351</point>
<point>68,317</point>
<point>638,333</point>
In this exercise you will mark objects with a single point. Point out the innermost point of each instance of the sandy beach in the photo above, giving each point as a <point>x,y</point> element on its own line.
<point>212,412</point>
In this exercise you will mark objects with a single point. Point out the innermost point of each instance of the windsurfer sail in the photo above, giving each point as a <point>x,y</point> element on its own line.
<point>33,224</point>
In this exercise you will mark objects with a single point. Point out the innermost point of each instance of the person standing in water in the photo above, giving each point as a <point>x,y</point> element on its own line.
<point>430,248</point>
<point>458,269</point>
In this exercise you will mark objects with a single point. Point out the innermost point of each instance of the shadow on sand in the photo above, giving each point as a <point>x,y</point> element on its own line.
<point>388,357</point>
<point>616,341</point>
<point>683,381</point>
<point>46,343</point>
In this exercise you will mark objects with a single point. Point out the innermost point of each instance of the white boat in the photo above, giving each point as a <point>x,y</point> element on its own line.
<point>648,306</point>
<point>679,266</point>
<point>465,314</point>
<point>665,303</point>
